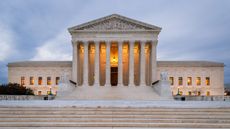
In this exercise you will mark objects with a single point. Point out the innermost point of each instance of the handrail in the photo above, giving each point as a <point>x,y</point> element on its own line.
<point>155,82</point>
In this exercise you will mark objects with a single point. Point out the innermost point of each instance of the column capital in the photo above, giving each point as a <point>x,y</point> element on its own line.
<point>155,42</point>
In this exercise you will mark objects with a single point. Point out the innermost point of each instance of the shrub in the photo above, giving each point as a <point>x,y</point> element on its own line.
<point>15,89</point>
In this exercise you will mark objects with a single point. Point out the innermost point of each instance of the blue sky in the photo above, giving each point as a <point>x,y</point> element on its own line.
<point>37,29</point>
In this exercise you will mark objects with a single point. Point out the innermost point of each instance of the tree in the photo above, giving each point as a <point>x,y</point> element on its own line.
<point>15,89</point>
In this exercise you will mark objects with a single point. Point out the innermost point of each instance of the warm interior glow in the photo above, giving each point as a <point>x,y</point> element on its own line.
<point>198,81</point>
<point>48,80</point>
<point>114,60</point>
<point>207,80</point>
<point>31,80</point>
<point>189,81</point>
<point>114,55</point>
<point>39,80</point>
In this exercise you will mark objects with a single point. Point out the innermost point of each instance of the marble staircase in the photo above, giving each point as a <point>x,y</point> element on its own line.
<point>113,117</point>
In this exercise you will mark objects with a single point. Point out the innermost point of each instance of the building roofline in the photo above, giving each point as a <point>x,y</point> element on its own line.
<point>159,64</point>
<point>189,64</point>
<point>40,64</point>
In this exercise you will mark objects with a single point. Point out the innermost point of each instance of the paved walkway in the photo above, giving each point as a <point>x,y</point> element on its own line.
<point>115,103</point>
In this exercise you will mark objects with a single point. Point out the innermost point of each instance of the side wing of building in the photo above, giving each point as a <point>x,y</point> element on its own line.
<point>194,77</point>
<point>41,76</point>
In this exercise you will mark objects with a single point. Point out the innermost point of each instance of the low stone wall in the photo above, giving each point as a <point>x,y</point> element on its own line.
<point>202,98</point>
<point>22,97</point>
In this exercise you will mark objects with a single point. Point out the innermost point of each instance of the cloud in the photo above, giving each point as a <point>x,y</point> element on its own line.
<point>57,48</point>
<point>6,42</point>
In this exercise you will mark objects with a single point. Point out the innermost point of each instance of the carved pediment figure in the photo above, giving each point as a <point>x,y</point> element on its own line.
<point>114,22</point>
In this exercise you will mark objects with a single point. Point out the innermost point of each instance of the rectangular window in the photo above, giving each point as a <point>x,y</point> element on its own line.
<point>39,80</point>
<point>31,80</point>
<point>171,79</point>
<point>189,81</point>
<point>208,93</point>
<point>181,93</point>
<point>189,93</point>
<point>57,80</point>
<point>198,81</point>
<point>207,80</point>
<point>39,92</point>
<point>22,81</point>
<point>180,81</point>
<point>49,81</point>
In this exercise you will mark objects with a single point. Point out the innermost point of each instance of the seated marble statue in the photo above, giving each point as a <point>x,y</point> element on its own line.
<point>164,76</point>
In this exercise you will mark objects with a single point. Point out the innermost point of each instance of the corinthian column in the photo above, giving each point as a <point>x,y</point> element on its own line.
<point>86,73</point>
<point>108,63</point>
<point>120,77</point>
<point>74,64</point>
<point>154,60</point>
<point>142,70</point>
<point>97,51</point>
<point>131,63</point>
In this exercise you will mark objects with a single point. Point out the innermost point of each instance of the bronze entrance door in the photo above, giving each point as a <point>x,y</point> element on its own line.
<point>114,76</point>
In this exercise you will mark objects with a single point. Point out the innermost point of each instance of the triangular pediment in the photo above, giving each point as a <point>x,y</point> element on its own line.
<point>114,22</point>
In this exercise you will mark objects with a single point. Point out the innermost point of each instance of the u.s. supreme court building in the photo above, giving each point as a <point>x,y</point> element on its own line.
<point>116,57</point>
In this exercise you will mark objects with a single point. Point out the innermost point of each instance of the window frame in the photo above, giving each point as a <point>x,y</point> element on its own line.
<point>49,81</point>
<point>189,81</point>
<point>180,81</point>
<point>23,80</point>
<point>31,80</point>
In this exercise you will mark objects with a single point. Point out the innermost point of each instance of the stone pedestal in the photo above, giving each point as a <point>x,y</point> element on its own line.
<point>163,89</point>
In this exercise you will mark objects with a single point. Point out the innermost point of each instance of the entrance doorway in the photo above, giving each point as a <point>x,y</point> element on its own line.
<point>114,76</point>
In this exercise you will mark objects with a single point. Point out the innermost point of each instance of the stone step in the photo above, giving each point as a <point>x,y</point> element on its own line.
<point>98,128</point>
<point>109,112</point>
<point>116,109</point>
<point>113,124</point>
<point>120,116</point>
<point>127,120</point>
<point>114,117</point>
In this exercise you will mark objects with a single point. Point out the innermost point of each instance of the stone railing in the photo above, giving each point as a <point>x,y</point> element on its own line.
<point>202,98</point>
<point>22,97</point>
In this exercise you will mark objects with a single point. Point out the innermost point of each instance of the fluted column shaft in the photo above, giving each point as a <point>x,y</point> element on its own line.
<point>120,77</point>
<point>131,63</point>
<point>142,63</point>
<point>97,59</point>
<point>154,61</point>
<point>86,73</point>
<point>75,59</point>
<point>108,45</point>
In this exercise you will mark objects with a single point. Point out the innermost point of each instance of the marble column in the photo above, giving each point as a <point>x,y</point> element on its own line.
<point>86,64</point>
<point>97,59</point>
<point>120,69</point>
<point>74,63</point>
<point>108,45</point>
<point>131,63</point>
<point>142,63</point>
<point>154,60</point>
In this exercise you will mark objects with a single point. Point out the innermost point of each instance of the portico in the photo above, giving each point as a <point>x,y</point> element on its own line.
<point>114,51</point>
<point>114,63</point>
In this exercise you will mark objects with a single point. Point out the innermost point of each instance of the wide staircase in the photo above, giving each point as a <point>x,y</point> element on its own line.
<point>113,117</point>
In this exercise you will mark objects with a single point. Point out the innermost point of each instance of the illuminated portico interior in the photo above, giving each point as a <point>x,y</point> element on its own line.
<point>117,65</point>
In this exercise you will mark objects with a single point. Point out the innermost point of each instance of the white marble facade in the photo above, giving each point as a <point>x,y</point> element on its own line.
<point>115,57</point>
